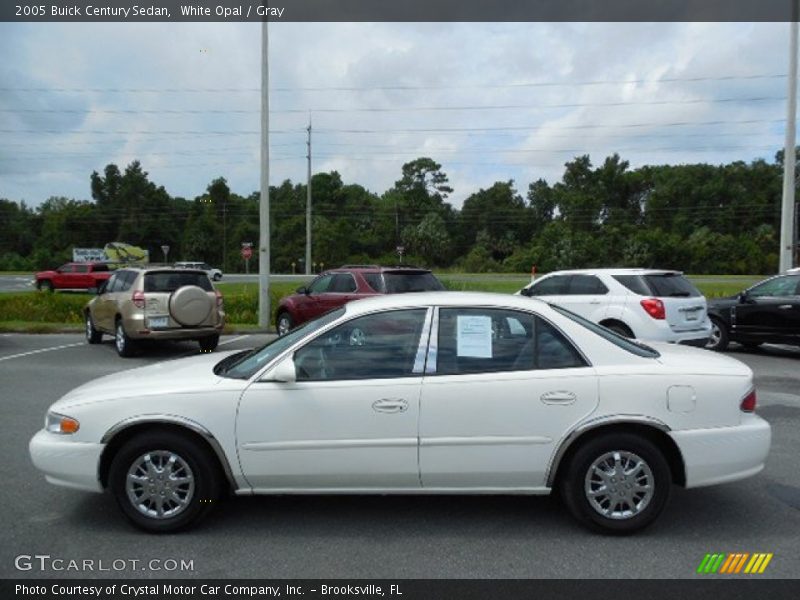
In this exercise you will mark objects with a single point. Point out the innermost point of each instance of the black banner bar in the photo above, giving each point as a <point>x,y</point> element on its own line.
<point>735,588</point>
<point>396,10</point>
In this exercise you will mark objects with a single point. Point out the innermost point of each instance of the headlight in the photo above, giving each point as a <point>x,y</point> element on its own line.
<point>55,423</point>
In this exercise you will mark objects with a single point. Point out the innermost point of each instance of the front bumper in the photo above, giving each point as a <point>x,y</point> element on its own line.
<point>65,462</point>
<point>724,454</point>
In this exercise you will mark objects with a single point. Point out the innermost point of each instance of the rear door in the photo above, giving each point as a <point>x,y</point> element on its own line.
<point>500,389</point>
<point>104,308</point>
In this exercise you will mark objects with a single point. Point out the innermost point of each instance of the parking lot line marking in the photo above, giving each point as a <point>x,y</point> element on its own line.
<point>41,350</point>
<point>236,339</point>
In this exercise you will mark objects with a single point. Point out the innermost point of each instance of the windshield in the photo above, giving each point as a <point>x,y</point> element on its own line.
<point>247,364</point>
<point>632,346</point>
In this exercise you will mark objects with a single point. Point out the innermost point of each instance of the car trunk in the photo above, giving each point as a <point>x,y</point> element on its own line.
<point>684,305</point>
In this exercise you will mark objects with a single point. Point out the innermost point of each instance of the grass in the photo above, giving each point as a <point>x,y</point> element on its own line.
<point>41,312</point>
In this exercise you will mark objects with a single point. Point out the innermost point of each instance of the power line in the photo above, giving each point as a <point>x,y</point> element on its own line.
<point>397,87</point>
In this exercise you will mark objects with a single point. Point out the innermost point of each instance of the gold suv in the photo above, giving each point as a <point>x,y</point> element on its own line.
<point>155,304</point>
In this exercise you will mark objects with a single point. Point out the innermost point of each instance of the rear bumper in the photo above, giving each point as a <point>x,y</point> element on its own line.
<point>724,454</point>
<point>137,329</point>
<point>65,462</point>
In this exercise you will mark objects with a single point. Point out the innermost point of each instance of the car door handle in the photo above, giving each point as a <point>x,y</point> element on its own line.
<point>559,397</point>
<point>390,405</point>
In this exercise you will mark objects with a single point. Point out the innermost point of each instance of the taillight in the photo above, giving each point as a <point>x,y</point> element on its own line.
<point>219,297</point>
<point>138,299</point>
<point>749,402</point>
<point>654,307</point>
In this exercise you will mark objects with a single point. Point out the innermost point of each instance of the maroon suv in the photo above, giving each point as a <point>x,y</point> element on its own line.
<point>333,288</point>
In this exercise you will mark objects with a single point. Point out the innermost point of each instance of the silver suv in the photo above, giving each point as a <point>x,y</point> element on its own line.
<point>155,304</point>
<point>648,304</point>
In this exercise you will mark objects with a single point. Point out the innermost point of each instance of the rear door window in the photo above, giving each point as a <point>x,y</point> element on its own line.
<point>343,283</point>
<point>375,281</point>
<point>169,281</point>
<point>586,285</point>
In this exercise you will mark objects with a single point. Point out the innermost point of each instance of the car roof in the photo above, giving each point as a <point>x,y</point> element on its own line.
<point>613,271</point>
<point>442,298</point>
<point>379,269</point>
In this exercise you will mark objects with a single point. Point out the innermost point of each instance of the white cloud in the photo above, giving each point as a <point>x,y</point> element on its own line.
<point>449,65</point>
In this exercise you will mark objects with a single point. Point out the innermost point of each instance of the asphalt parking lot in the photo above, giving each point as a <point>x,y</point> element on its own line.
<point>381,537</point>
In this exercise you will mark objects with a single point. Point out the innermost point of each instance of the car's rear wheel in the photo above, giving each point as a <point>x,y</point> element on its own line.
<point>125,346</point>
<point>718,340</point>
<point>616,483</point>
<point>284,323</point>
<point>92,335</point>
<point>164,481</point>
<point>209,344</point>
<point>45,285</point>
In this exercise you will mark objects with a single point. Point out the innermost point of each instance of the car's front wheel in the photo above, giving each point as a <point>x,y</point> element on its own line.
<point>45,285</point>
<point>164,481</point>
<point>718,340</point>
<point>616,483</point>
<point>284,323</point>
<point>92,335</point>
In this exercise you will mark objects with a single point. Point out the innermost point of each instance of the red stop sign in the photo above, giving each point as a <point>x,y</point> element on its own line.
<point>247,252</point>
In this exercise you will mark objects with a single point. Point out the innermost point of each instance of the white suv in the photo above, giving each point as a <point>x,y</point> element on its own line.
<point>213,274</point>
<point>647,304</point>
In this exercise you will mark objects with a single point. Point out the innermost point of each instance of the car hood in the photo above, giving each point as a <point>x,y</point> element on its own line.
<point>699,361</point>
<point>169,377</point>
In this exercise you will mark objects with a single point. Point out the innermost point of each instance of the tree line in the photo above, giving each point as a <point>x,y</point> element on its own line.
<point>698,218</point>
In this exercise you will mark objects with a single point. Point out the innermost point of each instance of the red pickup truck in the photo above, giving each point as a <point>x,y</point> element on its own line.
<point>73,276</point>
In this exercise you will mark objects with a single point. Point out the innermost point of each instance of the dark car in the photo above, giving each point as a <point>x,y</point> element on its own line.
<point>768,312</point>
<point>336,287</point>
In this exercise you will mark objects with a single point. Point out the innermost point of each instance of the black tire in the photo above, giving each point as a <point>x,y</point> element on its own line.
<point>621,329</point>
<point>92,335</point>
<point>193,460</point>
<point>45,285</point>
<point>209,344</point>
<point>126,347</point>
<point>284,323</point>
<point>627,446</point>
<point>217,277</point>
<point>719,339</point>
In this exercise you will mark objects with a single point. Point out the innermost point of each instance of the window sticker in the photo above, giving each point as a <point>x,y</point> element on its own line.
<point>474,336</point>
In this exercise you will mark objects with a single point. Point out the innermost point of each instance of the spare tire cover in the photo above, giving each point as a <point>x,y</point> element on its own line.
<point>190,305</point>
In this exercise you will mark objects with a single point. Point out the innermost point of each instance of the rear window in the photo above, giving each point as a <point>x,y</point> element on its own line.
<point>664,285</point>
<point>398,283</point>
<point>169,281</point>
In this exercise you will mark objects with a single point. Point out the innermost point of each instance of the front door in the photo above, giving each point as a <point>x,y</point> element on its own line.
<point>501,391</point>
<point>770,309</point>
<point>350,420</point>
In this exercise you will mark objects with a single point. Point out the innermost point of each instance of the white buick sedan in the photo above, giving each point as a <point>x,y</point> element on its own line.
<point>430,393</point>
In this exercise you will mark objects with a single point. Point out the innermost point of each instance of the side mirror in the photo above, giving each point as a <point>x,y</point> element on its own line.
<point>283,372</point>
<point>303,290</point>
<point>744,298</point>
<point>526,292</point>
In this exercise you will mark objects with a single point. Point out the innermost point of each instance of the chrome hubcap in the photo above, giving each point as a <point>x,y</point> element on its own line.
<point>160,484</point>
<point>619,485</point>
<point>283,326</point>
<point>120,338</point>
<point>714,338</point>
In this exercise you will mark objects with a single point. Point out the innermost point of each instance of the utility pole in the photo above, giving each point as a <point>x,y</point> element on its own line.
<point>308,201</point>
<point>263,210</point>
<point>786,254</point>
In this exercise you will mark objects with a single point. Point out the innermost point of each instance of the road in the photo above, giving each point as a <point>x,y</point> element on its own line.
<point>382,537</point>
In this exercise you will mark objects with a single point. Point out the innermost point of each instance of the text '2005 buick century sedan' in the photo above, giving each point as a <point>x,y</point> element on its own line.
<point>455,393</point>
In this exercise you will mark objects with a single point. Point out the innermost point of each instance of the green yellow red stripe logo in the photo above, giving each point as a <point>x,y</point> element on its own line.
<point>731,563</point>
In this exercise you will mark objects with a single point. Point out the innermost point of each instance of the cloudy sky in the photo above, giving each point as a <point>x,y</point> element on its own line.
<point>488,101</point>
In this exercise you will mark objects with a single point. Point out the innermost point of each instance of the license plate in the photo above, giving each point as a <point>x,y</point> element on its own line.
<point>692,315</point>
<point>158,322</point>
